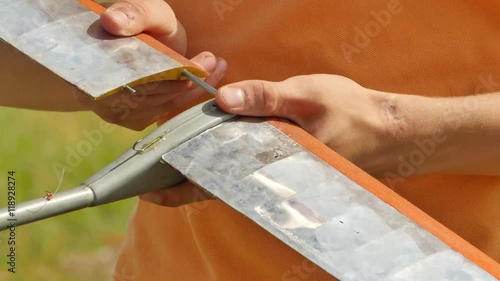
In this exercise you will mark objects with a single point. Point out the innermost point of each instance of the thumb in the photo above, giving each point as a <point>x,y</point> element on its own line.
<point>291,99</point>
<point>253,97</point>
<point>294,99</point>
<point>130,17</point>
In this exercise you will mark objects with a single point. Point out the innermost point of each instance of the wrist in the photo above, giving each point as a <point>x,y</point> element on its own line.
<point>414,138</point>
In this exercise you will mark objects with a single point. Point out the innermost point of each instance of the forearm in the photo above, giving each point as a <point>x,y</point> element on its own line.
<point>27,84</point>
<point>459,135</point>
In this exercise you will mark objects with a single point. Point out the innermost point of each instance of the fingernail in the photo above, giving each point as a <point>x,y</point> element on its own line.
<point>233,97</point>
<point>121,18</point>
<point>152,198</point>
<point>208,62</point>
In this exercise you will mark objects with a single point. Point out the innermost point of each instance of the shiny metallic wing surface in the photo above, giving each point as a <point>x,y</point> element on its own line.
<point>314,208</point>
<point>66,37</point>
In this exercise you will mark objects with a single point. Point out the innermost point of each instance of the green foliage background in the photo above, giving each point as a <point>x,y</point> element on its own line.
<point>74,247</point>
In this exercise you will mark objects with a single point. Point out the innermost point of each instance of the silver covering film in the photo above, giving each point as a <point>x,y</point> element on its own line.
<point>66,37</point>
<point>314,208</point>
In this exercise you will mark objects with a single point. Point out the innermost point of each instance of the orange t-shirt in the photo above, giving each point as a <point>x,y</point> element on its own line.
<point>432,48</point>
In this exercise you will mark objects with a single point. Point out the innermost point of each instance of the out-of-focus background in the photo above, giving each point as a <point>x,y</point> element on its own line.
<point>74,247</point>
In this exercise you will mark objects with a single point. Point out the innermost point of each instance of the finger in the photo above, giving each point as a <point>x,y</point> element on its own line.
<point>145,95</point>
<point>218,73</point>
<point>136,124</point>
<point>194,96</point>
<point>155,93</point>
<point>253,97</point>
<point>197,92</point>
<point>292,99</point>
<point>210,64</point>
<point>179,195</point>
<point>135,119</point>
<point>125,100</point>
<point>205,60</point>
<point>138,118</point>
<point>130,17</point>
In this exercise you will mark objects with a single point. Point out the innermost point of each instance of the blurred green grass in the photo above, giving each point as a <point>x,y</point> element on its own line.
<point>74,247</point>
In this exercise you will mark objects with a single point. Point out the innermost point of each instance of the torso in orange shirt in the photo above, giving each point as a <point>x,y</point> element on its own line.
<point>431,48</point>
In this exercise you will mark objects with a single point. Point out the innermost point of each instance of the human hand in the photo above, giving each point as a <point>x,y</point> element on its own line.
<point>336,110</point>
<point>388,135</point>
<point>363,125</point>
<point>153,100</point>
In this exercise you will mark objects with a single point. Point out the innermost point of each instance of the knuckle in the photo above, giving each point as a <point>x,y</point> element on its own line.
<point>267,95</point>
<point>143,8</point>
<point>134,6</point>
<point>111,118</point>
<point>159,16</point>
<point>137,127</point>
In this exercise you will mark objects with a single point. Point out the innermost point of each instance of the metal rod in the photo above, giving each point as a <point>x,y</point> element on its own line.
<point>38,209</point>
<point>130,89</point>
<point>204,85</point>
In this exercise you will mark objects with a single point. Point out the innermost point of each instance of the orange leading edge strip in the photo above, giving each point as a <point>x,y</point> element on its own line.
<point>387,195</point>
